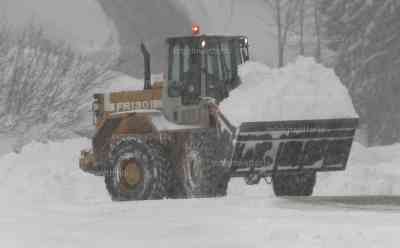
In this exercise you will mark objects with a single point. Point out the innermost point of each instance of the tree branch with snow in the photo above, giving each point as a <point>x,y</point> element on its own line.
<point>43,84</point>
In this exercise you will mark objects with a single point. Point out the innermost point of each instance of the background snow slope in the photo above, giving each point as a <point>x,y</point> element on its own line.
<point>85,24</point>
<point>234,17</point>
<point>153,21</point>
<point>81,23</point>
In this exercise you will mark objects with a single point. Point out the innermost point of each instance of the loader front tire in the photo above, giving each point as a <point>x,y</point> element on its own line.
<point>204,171</point>
<point>298,184</point>
<point>137,170</point>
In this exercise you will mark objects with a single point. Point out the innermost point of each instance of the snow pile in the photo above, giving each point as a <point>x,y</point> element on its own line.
<point>300,91</point>
<point>370,171</point>
<point>76,211</point>
<point>50,172</point>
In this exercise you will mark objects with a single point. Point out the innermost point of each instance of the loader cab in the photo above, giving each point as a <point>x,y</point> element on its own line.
<point>201,67</point>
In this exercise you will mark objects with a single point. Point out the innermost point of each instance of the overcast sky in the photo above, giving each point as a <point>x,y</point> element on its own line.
<point>80,21</point>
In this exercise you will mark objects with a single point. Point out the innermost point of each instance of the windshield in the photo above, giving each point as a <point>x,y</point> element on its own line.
<point>209,69</point>
<point>185,69</point>
<point>217,73</point>
<point>185,61</point>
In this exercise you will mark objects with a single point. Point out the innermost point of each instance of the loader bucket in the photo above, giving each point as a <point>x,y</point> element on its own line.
<point>266,148</point>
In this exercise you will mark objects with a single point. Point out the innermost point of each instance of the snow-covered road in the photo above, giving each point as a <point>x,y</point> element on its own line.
<point>47,202</point>
<point>248,218</point>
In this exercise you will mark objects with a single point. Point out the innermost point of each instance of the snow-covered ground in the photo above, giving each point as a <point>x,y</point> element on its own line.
<point>371,171</point>
<point>46,201</point>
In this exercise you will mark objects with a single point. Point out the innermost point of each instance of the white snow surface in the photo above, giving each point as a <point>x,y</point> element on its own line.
<point>371,171</point>
<point>44,173</point>
<point>46,201</point>
<point>302,90</point>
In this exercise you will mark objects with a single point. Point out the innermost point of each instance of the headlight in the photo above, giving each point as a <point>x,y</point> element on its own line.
<point>191,88</point>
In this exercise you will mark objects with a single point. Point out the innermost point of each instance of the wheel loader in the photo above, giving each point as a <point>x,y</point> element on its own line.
<point>170,140</point>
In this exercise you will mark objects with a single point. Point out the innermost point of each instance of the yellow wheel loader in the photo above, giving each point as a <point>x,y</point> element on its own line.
<point>171,141</point>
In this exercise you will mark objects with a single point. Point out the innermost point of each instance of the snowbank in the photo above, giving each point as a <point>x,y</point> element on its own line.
<point>44,173</point>
<point>49,174</point>
<point>302,90</point>
<point>370,171</point>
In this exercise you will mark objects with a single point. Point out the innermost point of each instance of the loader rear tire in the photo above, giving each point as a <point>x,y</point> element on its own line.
<point>137,170</point>
<point>204,171</point>
<point>299,184</point>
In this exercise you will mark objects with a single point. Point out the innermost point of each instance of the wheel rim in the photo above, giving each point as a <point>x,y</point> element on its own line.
<point>131,175</point>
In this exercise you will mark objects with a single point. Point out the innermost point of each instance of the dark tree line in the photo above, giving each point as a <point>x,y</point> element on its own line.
<point>297,24</point>
<point>365,34</point>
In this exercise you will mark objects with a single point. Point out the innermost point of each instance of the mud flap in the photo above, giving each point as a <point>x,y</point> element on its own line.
<point>262,149</point>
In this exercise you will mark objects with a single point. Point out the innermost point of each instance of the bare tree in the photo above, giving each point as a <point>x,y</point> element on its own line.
<point>317,24</point>
<point>301,26</point>
<point>285,12</point>
<point>43,85</point>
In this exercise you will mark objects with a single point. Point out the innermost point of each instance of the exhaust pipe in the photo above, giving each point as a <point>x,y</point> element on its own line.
<point>147,71</point>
